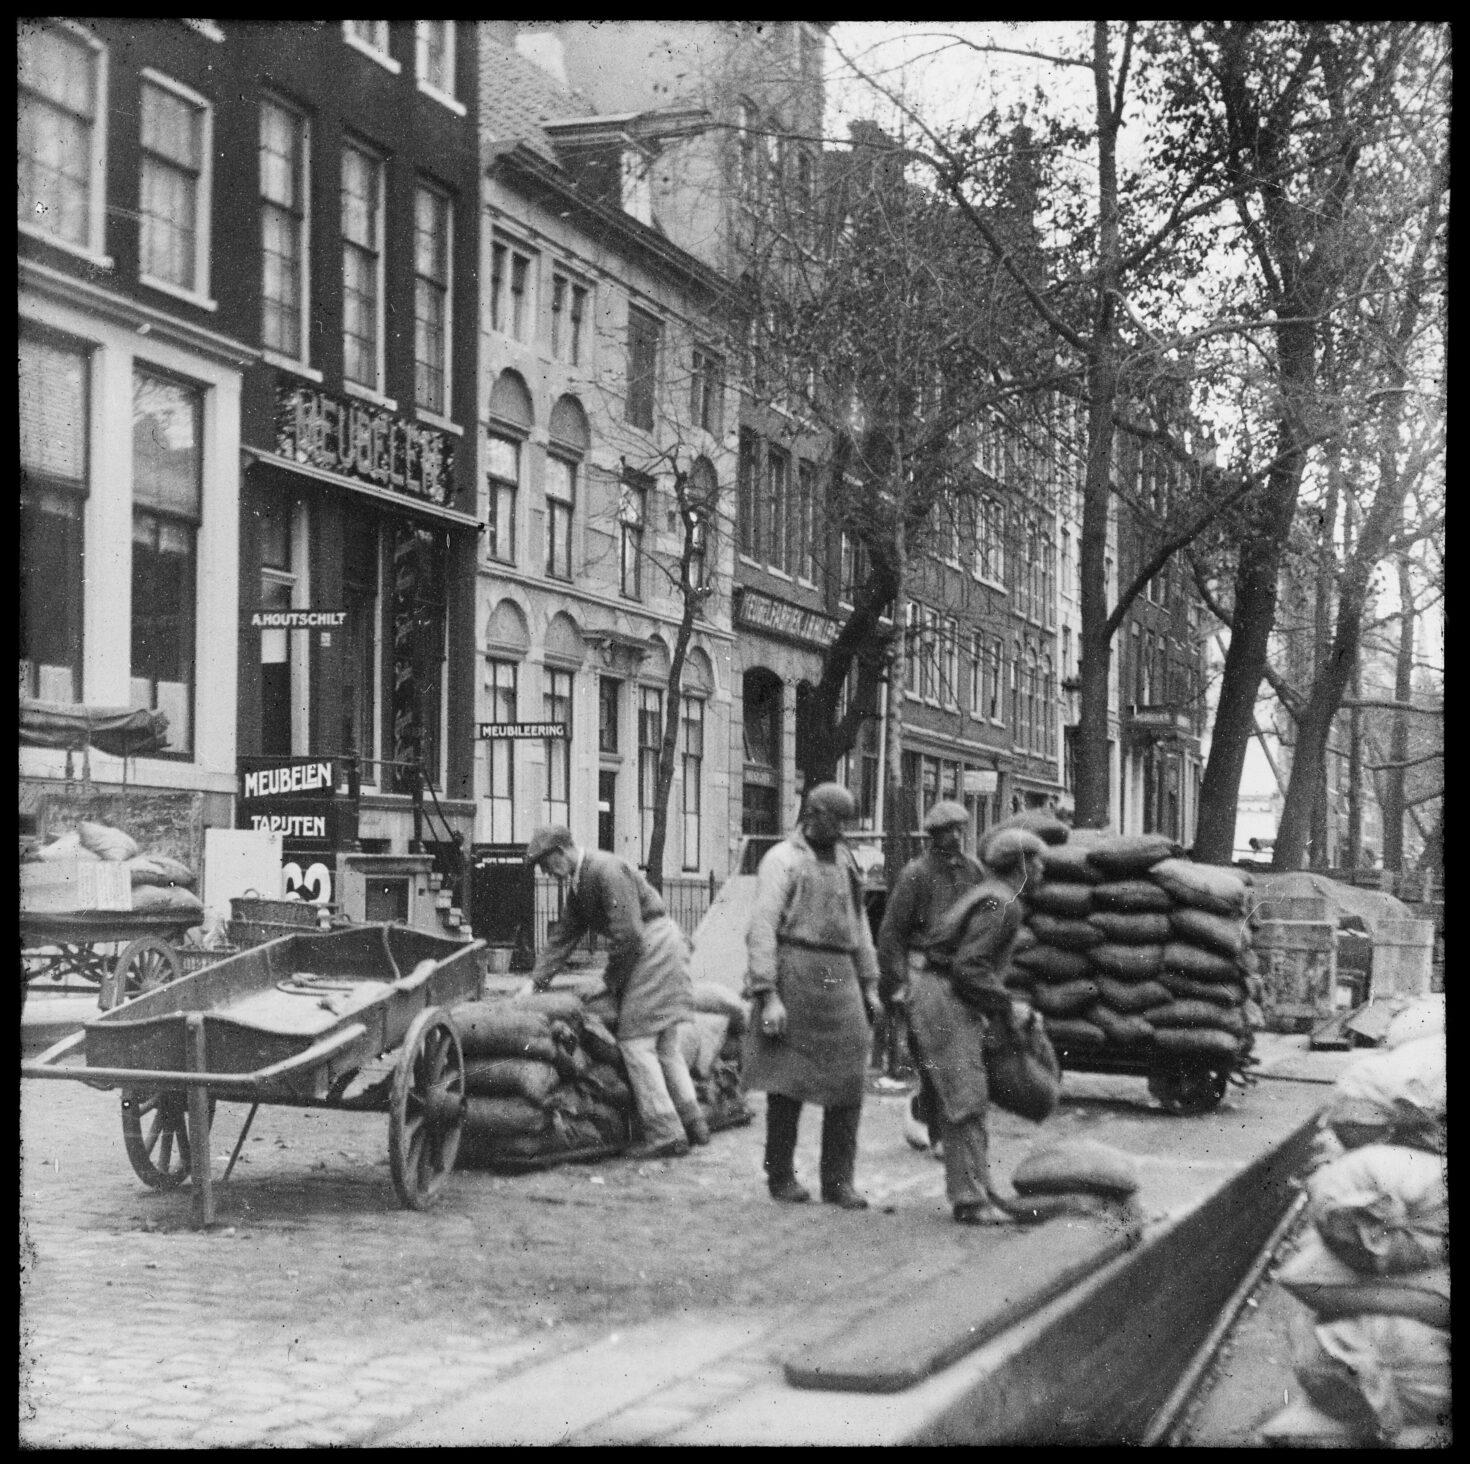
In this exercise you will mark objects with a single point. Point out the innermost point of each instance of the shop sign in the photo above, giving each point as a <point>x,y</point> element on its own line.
<point>981,780</point>
<point>521,731</point>
<point>298,619</point>
<point>293,797</point>
<point>359,440</point>
<point>781,617</point>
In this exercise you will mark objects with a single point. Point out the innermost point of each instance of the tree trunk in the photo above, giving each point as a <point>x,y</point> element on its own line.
<point>898,672</point>
<point>1393,789</point>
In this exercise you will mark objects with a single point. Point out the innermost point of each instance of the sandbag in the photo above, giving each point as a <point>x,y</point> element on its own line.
<point>1072,901</point>
<point>710,996</point>
<point>1052,963</point>
<point>700,1041</point>
<point>159,869</point>
<point>1123,1029</point>
<point>1421,1018</point>
<point>1075,1032</point>
<point>1383,1209</point>
<point>1185,1012</point>
<point>1221,993</point>
<point>1397,1096</point>
<point>1064,934</point>
<point>1067,864</point>
<point>1025,939</point>
<point>1021,1067</point>
<point>1249,960</point>
<point>1223,933</point>
<point>1018,979</point>
<point>510,1077</point>
<point>68,847</point>
<point>1122,995</point>
<point>1131,962</point>
<point>1202,886</point>
<point>1198,964</point>
<point>1201,1042</point>
<point>1062,998</point>
<point>502,1118</point>
<point>598,1042</point>
<point>1076,1166</point>
<point>167,897</point>
<point>1384,1373</point>
<point>504,1029</point>
<point>563,1006</point>
<point>606,1083</point>
<point>1124,856</point>
<point>1131,895</point>
<point>1134,927</point>
<point>1332,1288</point>
<point>107,842</point>
<point>1046,826</point>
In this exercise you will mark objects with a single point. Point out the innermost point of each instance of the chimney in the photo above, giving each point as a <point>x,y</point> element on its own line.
<point>546,50</point>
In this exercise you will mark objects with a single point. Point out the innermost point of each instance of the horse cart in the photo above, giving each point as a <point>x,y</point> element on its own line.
<point>300,1021</point>
<point>1184,1085</point>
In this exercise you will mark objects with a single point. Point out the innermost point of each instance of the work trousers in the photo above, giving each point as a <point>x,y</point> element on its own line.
<point>839,1142</point>
<point>662,1087</point>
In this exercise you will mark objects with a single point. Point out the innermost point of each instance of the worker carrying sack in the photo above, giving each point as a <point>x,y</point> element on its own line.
<point>1021,1067</point>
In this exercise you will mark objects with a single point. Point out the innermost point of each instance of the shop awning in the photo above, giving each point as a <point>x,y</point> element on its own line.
<point>403,502</point>
<point>121,731</point>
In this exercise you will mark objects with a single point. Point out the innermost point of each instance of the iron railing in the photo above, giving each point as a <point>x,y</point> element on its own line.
<point>685,897</point>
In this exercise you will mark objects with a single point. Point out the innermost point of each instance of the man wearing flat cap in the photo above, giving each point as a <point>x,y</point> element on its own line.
<point>959,989</point>
<point>812,975</point>
<point>647,974</point>
<point>925,890</point>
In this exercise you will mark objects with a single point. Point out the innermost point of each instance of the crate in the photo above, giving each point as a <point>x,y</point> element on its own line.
<point>192,959</point>
<point>51,887</point>
<point>281,912</point>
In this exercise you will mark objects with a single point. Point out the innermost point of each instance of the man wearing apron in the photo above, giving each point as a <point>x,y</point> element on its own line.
<point>813,978</point>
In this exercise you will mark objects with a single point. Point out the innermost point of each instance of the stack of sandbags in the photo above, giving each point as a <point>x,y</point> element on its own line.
<point>547,1082</point>
<point>159,882</point>
<point>1371,1345</point>
<point>1138,951</point>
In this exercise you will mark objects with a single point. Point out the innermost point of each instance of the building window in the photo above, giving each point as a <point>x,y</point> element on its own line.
<point>510,290</point>
<point>561,501</point>
<point>167,493</point>
<point>53,499</point>
<point>418,642</point>
<point>362,268</point>
<point>61,76</point>
<point>568,318</point>
<point>693,709</point>
<point>803,534</point>
<point>504,479</point>
<point>434,53</point>
<point>977,668</point>
<point>275,539</point>
<point>748,470</point>
<point>431,324</point>
<point>632,515</point>
<point>173,196</point>
<point>284,224</point>
<point>1049,705</point>
<point>643,334</point>
<point>650,739</point>
<point>361,659</point>
<point>501,683</point>
<point>950,673</point>
<point>995,684</point>
<point>778,508</point>
<point>748,163</point>
<point>609,698</point>
<point>371,38</point>
<point>707,392</point>
<point>556,706</point>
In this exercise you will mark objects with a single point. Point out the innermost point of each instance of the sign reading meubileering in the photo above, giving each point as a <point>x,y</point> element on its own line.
<point>521,731</point>
<point>303,619</point>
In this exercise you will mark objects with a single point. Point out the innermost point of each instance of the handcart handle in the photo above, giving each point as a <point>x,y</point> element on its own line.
<point>416,977</point>
<point>52,1055</point>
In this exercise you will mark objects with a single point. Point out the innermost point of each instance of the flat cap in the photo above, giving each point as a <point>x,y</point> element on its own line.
<point>945,814</point>
<point>544,840</point>
<point>1006,848</point>
<point>831,798</point>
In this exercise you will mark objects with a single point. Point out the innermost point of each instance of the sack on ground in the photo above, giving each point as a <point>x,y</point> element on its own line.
<point>1134,927</point>
<point>1125,895</point>
<point>1201,886</point>
<point>1073,901</point>
<point>1122,995</point>
<point>1067,864</point>
<point>1021,1067</point>
<point>1062,998</point>
<point>1125,855</point>
<point>1197,1042</point>
<point>510,1077</point>
<point>1076,1165</point>
<point>1052,962</point>
<point>1075,1032</point>
<point>504,1029</point>
<point>1198,963</point>
<point>1383,1209</point>
<point>1396,1096</point>
<point>1374,1372</point>
<point>1225,934</point>
<point>1131,962</point>
<point>1332,1288</point>
<point>1123,1029</point>
<point>1065,934</point>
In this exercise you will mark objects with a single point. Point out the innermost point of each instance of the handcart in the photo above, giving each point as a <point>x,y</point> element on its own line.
<point>61,945</point>
<point>293,1022</point>
<point>1184,1085</point>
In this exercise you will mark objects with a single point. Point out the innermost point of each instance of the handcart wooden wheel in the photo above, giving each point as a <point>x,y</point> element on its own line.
<point>427,1108</point>
<point>1188,1088</point>
<point>156,1135</point>
<point>144,965</point>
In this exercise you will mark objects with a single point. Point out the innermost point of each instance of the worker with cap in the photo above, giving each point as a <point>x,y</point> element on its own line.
<point>812,976</point>
<point>926,888</point>
<point>647,975</point>
<point>960,989</point>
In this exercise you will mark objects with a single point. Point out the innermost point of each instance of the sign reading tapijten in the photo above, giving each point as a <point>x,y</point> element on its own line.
<point>521,731</point>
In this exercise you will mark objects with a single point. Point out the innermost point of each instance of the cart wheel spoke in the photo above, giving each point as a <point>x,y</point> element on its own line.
<point>156,1136</point>
<point>427,1108</point>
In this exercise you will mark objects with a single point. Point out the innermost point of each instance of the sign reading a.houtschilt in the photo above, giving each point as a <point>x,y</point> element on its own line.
<point>302,619</point>
<point>295,797</point>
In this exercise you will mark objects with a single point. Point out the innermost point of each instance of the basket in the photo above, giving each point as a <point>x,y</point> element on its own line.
<point>248,933</point>
<point>282,912</point>
<point>192,959</point>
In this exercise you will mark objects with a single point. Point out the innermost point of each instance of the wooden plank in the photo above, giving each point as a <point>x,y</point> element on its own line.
<point>198,1108</point>
<point>892,1348</point>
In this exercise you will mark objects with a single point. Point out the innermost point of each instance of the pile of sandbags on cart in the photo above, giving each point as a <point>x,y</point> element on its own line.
<point>1130,949</point>
<point>547,1084</point>
<point>1371,1343</point>
<point>138,879</point>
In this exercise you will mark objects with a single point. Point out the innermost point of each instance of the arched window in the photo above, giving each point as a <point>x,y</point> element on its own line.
<point>511,420</point>
<point>569,442</point>
<point>506,642</point>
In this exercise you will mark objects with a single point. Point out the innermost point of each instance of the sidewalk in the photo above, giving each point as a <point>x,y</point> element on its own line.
<point>609,1303</point>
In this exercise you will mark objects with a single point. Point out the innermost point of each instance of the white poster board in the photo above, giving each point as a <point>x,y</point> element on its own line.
<point>241,862</point>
